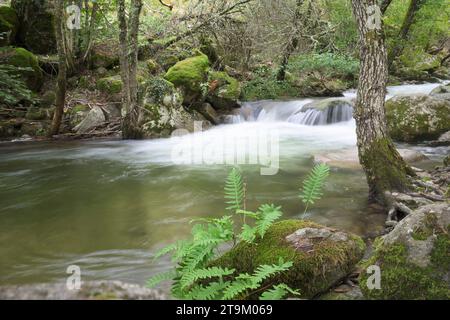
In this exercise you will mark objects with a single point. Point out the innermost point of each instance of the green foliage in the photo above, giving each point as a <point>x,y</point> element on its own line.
<point>312,186</point>
<point>265,85</point>
<point>14,89</point>
<point>327,64</point>
<point>194,276</point>
<point>234,190</point>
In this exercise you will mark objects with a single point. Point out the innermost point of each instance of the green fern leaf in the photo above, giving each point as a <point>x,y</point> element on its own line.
<point>161,277</point>
<point>268,214</point>
<point>234,190</point>
<point>312,186</point>
<point>190,278</point>
<point>248,233</point>
<point>278,292</point>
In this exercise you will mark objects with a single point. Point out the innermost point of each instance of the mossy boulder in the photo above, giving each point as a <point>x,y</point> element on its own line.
<point>36,32</point>
<point>47,99</point>
<point>9,25</point>
<point>189,75</point>
<point>76,114</point>
<point>441,92</point>
<point>105,55</point>
<point>417,118</point>
<point>29,70</point>
<point>322,256</point>
<point>224,91</point>
<point>34,113</point>
<point>110,85</point>
<point>164,111</point>
<point>414,258</point>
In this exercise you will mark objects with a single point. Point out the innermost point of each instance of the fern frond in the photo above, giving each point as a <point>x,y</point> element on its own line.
<point>312,186</point>
<point>210,292</point>
<point>278,292</point>
<point>166,250</point>
<point>161,277</point>
<point>195,257</point>
<point>240,285</point>
<point>248,233</point>
<point>190,278</point>
<point>268,214</point>
<point>264,272</point>
<point>234,190</point>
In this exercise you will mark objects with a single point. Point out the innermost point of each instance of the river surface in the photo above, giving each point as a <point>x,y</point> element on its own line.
<point>107,206</point>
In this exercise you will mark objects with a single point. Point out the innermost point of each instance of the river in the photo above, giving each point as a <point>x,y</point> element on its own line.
<point>107,206</point>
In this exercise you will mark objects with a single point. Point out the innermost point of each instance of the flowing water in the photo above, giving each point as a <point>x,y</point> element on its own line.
<point>107,206</point>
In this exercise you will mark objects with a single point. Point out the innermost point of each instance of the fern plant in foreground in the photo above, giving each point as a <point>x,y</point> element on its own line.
<point>194,277</point>
<point>312,186</point>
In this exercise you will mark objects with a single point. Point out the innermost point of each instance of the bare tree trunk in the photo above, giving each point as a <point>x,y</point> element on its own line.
<point>62,69</point>
<point>413,8</point>
<point>128,38</point>
<point>384,167</point>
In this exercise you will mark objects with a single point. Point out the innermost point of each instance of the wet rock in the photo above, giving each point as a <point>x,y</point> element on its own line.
<point>209,113</point>
<point>417,118</point>
<point>348,158</point>
<point>96,290</point>
<point>414,257</point>
<point>322,256</point>
<point>94,118</point>
<point>9,25</point>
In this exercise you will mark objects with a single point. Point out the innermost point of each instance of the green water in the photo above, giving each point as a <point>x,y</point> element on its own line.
<point>107,206</point>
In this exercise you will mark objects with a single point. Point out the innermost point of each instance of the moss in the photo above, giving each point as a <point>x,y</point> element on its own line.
<point>152,66</point>
<point>9,25</point>
<point>313,271</point>
<point>412,119</point>
<point>110,85</point>
<point>386,167</point>
<point>401,279</point>
<point>227,86</point>
<point>80,108</point>
<point>34,113</point>
<point>426,229</point>
<point>189,74</point>
<point>48,99</point>
<point>23,58</point>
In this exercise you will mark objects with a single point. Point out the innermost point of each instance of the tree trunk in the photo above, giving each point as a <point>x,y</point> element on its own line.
<point>62,69</point>
<point>413,8</point>
<point>384,167</point>
<point>128,38</point>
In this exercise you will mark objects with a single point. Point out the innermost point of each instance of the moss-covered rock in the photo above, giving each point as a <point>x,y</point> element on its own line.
<point>416,118</point>
<point>105,55</point>
<point>36,32</point>
<point>110,85</point>
<point>321,256</point>
<point>224,91</point>
<point>23,58</point>
<point>152,66</point>
<point>35,113</point>
<point>414,258</point>
<point>47,99</point>
<point>9,25</point>
<point>189,75</point>
<point>76,114</point>
<point>164,111</point>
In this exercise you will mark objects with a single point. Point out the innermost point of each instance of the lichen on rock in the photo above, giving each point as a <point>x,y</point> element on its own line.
<point>417,118</point>
<point>414,258</point>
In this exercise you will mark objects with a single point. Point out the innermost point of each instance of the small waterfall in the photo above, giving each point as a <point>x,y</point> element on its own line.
<point>305,112</point>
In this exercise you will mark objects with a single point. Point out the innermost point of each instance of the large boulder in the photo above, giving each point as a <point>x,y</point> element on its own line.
<point>9,25</point>
<point>417,118</point>
<point>164,111</point>
<point>322,256</point>
<point>441,92</point>
<point>224,91</point>
<point>27,64</point>
<point>105,55</point>
<point>189,75</point>
<point>93,119</point>
<point>414,258</point>
<point>36,32</point>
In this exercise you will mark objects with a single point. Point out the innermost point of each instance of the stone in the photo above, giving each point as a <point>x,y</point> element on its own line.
<point>22,58</point>
<point>90,290</point>
<point>189,75</point>
<point>348,158</point>
<point>321,256</point>
<point>417,118</point>
<point>224,91</point>
<point>414,257</point>
<point>210,114</point>
<point>94,118</point>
